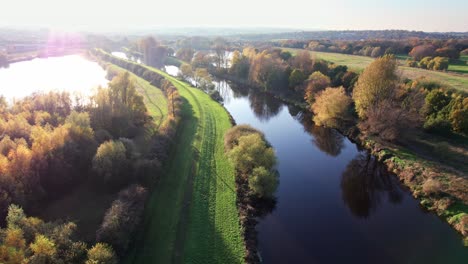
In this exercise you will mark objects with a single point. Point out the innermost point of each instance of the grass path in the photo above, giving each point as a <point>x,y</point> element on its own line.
<point>192,215</point>
<point>358,63</point>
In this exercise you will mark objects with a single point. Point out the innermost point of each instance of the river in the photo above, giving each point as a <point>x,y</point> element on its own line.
<point>335,203</point>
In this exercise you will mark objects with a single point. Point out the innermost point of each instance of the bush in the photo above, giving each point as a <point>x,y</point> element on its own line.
<point>122,218</point>
<point>432,187</point>
<point>263,182</point>
<point>101,254</point>
<point>110,162</point>
<point>252,152</point>
<point>231,138</point>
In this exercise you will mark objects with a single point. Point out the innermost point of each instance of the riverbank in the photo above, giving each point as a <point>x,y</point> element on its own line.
<point>194,218</point>
<point>449,201</point>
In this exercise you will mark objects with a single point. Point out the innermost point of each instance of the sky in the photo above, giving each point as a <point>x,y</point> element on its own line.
<point>424,15</point>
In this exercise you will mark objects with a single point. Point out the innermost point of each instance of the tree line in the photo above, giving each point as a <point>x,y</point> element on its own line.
<point>52,142</point>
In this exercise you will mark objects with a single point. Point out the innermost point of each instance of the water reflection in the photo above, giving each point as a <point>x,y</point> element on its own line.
<point>327,140</point>
<point>264,107</point>
<point>365,183</point>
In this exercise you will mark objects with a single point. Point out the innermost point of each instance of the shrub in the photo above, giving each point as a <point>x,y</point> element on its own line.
<point>252,152</point>
<point>432,187</point>
<point>231,138</point>
<point>263,182</point>
<point>101,254</point>
<point>122,218</point>
<point>110,162</point>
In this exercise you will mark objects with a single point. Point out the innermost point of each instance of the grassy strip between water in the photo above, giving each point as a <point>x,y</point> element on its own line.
<point>358,63</point>
<point>154,99</point>
<point>213,232</point>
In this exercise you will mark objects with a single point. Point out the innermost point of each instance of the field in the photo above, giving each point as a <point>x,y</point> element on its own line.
<point>358,63</point>
<point>192,215</point>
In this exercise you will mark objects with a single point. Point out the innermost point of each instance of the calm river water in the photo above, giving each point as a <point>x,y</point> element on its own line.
<point>335,204</point>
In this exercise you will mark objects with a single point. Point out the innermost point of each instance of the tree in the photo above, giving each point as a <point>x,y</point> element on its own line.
<point>186,71</point>
<point>101,254</point>
<point>296,78</point>
<point>252,152</point>
<point>202,78</point>
<point>422,51</point>
<point>440,64</point>
<point>185,54</point>
<point>448,52</point>
<point>263,182</point>
<point>122,218</point>
<point>220,47</point>
<point>303,62</point>
<point>317,82</point>
<point>332,107</point>
<point>459,116</point>
<point>376,52</point>
<point>110,162</point>
<point>377,83</point>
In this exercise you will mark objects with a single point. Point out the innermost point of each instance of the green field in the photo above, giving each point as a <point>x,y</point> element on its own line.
<point>358,63</point>
<point>154,99</point>
<point>192,216</point>
<point>461,66</point>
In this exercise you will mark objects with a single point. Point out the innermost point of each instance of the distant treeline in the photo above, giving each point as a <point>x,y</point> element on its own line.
<point>353,35</point>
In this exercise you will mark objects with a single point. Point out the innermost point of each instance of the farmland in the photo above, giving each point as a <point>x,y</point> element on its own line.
<point>358,63</point>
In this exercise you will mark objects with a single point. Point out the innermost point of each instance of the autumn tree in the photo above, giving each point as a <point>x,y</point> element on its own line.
<point>186,71</point>
<point>422,51</point>
<point>317,82</point>
<point>376,84</point>
<point>102,254</point>
<point>185,54</point>
<point>202,78</point>
<point>332,107</point>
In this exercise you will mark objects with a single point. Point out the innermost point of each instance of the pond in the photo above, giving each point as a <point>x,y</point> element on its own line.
<point>335,203</point>
<point>72,73</point>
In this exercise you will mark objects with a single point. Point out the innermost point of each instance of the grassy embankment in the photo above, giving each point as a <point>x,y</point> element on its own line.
<point>454,80</point>
<point>87,206</point>
<point>192,216</point>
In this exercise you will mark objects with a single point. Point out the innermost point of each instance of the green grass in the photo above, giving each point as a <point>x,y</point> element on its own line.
<point>358,63</point>
<point>154,99</point>
<point>207,229</point>
<point>460,66</point>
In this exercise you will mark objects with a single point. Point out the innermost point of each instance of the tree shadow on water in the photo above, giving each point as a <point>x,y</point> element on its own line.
<point>365,183</point>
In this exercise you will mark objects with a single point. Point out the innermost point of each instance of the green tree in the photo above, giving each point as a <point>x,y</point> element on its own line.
<point>263,182</point>
<point>296,78</point>
<point>252,152</point>
<point>110,161</point>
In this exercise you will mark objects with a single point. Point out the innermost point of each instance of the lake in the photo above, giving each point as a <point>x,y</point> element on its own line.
<point>335,203</point>
<point>72,73</point>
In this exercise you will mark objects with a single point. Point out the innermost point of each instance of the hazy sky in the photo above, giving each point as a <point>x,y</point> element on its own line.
<point>426,15</point>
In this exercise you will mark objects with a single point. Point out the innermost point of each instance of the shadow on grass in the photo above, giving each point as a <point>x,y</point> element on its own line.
<point>154,243</point>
